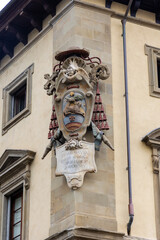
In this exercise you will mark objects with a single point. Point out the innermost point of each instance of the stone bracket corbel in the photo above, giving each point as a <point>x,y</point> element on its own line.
<point>26,177</point>
<point>155,161</point>
<point>153,140</point>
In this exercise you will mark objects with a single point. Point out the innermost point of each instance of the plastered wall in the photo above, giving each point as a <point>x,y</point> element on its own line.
<point>144,111</point>
<point>31,132</point>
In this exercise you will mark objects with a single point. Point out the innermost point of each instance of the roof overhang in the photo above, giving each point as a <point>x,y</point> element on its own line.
<point>19,18</point>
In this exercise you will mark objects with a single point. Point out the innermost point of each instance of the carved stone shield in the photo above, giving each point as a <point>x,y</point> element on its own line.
<point>74,99</point>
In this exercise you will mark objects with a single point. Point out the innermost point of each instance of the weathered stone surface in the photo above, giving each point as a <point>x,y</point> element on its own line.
<point>76,160</point>
<point>134,238</point>
<point>75,163</point>
<point>98,191</point>
<point>84,233</point>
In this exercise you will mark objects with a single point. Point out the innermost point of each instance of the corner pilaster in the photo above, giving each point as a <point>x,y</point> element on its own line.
<point>93,205</point>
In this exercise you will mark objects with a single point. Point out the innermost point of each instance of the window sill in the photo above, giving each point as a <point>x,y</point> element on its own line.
<point>24,113</point>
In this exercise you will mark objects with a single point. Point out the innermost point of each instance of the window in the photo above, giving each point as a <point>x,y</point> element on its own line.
<point>14,215</point>
<point>14,197</point>
<point>17,99</point>
<point>154,70</point>
<point>158,71</point>
<point>153,140</point>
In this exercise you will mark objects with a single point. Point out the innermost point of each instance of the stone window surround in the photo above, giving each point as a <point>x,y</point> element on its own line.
<point>153,54</point>
<point>152,139</point>
<point>15,175</point>
<point>7,123</point>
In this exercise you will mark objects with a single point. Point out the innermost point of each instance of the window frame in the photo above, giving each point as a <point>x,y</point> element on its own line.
<point>153,54</point>
<point>16,100</point>
<point>13,197</point>
<point>7,212</point>
<point>14,175</point>
<point>7,120</point>
<point>152,140</point>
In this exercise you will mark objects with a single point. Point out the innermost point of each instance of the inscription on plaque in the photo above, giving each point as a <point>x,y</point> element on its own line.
<point>76,162</point>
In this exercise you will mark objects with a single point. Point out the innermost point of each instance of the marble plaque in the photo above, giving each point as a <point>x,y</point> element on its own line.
<point>75,163</point>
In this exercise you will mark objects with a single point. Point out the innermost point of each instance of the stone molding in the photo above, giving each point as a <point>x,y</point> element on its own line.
<point>14,175</point>
<point>25,77</point>
<point>134,238</point>
<point>153,54</point>
<point>14,167</point>
<point>93,234</point>
<point>84,233</point>
<point>152,139</point>
<point>113,14</point>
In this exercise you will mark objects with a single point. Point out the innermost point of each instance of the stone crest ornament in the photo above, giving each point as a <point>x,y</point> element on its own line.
<point>73,144</point>
<point>76,108</point>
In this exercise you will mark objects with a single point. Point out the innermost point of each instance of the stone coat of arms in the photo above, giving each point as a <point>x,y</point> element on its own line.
<point>77,107</point>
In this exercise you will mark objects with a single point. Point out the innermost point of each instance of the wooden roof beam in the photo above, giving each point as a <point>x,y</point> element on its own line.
<point>108,3</point>
<point>7,49</point>
<point>48,7</point>
<point>35,21</point>
<point>157,17</point>
<point>10,14</point>
<point>157,10</point>
<point>135,6</point>
<point>19,33</point>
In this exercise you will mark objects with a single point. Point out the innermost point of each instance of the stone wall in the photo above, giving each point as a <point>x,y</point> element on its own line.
<point>93,205</point>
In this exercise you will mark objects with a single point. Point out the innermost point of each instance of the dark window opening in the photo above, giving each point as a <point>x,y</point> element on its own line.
<point>16,215</point>
<point>158,72</point>
<point>18,100</point>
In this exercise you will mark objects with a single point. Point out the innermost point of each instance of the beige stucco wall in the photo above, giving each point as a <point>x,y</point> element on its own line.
<point>144,111</point>
<point>31,132</point>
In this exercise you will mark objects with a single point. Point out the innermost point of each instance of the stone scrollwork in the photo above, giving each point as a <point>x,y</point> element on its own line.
<point>74,62</point>
<point>71,66</point>
<point>155,161</point>
<point>153,140</point>
<point>73,84</point>
<point>26,177</point>
<point>73,144</point>
<point>70,71</point>
<point>75,181</point>
<point>99,72</point>
<point>50,84</point>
